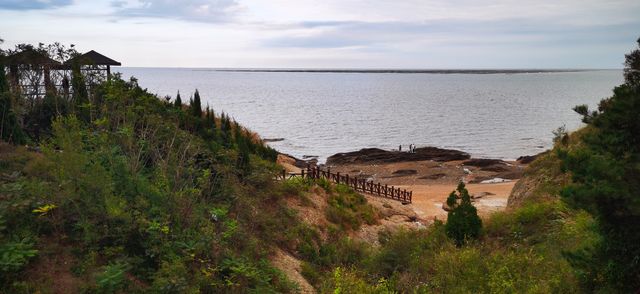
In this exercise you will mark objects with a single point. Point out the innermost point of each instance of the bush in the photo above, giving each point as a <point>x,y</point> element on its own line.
<point>349,209</point>
<point>14,255</point>
<point>463,222</point>
<point>112,279</point>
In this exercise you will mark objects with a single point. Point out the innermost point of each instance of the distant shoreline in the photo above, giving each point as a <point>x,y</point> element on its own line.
<point>410,71</point>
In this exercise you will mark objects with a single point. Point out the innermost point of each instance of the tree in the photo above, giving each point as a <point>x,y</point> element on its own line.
<point>196,105</point>
<point>463,222</point>
<point>605,173</point>
<point>225,129</point>
<point>81,102</point>
<point>632,67</point>
<point>178,102</point>
<point>10,131</point>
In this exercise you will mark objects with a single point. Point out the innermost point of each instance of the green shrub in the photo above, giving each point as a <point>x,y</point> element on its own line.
<point>463,222</point>
<point>349,209</point>
<point>347,281</point>
<point>14,255</point>
<point>112,278</point>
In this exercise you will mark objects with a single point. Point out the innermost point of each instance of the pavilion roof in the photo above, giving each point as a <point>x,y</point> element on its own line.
<point>92,58</point>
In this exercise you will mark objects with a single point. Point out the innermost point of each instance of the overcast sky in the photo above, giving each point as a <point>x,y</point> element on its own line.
<point>334,33</point>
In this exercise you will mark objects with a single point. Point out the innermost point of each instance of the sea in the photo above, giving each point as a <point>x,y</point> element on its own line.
<point>317,113</point>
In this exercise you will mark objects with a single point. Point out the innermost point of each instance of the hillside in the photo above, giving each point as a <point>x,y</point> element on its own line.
<point>117,190</point>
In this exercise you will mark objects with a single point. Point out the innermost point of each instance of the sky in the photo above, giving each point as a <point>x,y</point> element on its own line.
<point>415,34</point>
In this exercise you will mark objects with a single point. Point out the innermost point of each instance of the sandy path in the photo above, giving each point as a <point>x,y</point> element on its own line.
<point>428,199</point>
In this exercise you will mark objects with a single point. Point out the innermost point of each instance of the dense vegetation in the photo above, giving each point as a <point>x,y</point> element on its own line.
<point>605,170</point>
<point>121,191</point>
<point>132,192</point>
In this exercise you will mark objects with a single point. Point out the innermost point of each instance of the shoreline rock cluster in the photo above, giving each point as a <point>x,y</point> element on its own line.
<point>376,155</point>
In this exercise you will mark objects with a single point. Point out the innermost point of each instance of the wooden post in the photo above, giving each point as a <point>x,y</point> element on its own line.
<point>338,177</point>
<point>284,175</point>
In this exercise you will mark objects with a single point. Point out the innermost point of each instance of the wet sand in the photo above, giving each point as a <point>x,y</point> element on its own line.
<point>428,199</point>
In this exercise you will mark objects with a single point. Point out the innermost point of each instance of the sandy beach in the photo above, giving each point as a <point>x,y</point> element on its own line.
<point>489,181</point>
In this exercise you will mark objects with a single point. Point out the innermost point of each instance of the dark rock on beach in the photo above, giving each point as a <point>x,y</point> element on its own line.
<point>496,168</point>
<point>376,155</point>
<point>529,158</point>
<point>482,162</point>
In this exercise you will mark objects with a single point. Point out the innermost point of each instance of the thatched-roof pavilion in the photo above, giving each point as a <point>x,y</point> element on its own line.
<point>33,72</point>
<point>95,59</point>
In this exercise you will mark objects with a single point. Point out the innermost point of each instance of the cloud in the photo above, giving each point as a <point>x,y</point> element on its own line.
<point>189,10</point>
<point>412,36</point>
<point>33,4</point>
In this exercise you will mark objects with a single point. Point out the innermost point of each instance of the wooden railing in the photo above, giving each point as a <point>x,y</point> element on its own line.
<point>360,185</point>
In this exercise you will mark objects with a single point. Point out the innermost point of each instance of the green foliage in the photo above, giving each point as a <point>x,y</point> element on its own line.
<point>196,105</point>
<point>10,131</point>
<point>14,255</point>
<point>349,209</point>
<point>112,279</point>
<point>139,185</point>
<point>604,171</point>
<point>347,281</point>
<point>463,222</point>
<point>178,101</point>
<point>81,102</point>
<point>521,253</point>
<point>632,64</point>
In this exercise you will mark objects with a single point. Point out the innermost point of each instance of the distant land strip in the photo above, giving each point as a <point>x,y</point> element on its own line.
<point>411,71</point>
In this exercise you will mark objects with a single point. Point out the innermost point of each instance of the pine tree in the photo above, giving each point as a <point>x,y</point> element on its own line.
<point>225,128</point>
<point>632,67</point>
<point>605,169</point>
<point>237,132</point>
<point>463,222</point>
<point>178,102</point>
<point>196,105</point>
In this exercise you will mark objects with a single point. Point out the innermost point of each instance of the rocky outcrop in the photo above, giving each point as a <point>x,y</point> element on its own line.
<point>530,158</point>
<point>375,155</point>
<point>483,162</point>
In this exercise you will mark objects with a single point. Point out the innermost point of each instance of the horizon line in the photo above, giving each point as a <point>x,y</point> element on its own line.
<point>385,70</point>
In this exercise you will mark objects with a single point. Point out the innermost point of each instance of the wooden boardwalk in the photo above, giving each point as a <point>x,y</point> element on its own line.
<point>360,185</point>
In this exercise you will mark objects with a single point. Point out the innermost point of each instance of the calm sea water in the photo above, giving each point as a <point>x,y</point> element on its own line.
<point>487,115</point>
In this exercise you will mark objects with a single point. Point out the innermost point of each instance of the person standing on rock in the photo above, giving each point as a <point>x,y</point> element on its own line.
<point>400,148</point>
